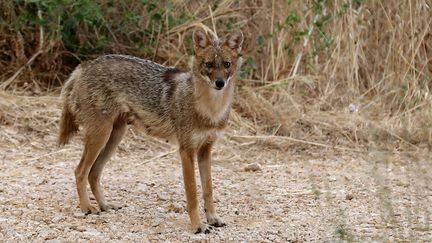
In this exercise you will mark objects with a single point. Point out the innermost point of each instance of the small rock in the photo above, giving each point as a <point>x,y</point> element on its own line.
<point>175,207</point>
<point>157,222</point>
<point>17,212</point>
<point>253,167</point>
<point>54,241</point>
<point>163,196</point>
<point>79,215</point>
<point>142,187</point>
<point>56,219</point>
<point>39,166</point>
<point>79,228</point>
<point>100,221</point>
<point>349,197</point>
<point>271,238</point>
<point>91,231</point>
<point>353,108</point>
<point>37,218</point>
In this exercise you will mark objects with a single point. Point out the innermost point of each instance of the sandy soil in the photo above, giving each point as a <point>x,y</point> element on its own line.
<point>298,195</point>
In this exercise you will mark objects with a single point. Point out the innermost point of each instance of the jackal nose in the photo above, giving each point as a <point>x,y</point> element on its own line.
<point>220,83</point>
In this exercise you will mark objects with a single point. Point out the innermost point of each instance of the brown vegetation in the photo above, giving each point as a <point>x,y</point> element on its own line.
<point>346,74</point>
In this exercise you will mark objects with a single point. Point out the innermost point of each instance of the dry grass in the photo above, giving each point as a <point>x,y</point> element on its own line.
<point>310,195</point>
<point>369,87</point>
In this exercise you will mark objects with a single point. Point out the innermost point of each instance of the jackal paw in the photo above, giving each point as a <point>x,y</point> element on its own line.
<point>89,209</point>
<point>203,228</point>
<point>215,221</point>
<point>108,206</point>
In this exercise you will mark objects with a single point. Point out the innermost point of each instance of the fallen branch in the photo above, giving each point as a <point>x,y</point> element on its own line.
<point>295,140</point>
<point>158,156</point>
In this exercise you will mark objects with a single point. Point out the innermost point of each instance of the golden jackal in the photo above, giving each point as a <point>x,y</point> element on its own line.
<point>103,96</point>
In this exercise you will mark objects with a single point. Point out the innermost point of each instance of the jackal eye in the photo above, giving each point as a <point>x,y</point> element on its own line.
<point>209,64</point>
<point>227,64</point>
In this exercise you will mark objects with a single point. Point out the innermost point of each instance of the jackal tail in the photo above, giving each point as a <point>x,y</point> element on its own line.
<point>68,126</point>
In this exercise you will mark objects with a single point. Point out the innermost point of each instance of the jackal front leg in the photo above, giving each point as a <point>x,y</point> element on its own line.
<point>188,163</point>
<point>204,163</point>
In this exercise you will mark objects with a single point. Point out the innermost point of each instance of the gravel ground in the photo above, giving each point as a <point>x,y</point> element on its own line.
<point>289,196</point>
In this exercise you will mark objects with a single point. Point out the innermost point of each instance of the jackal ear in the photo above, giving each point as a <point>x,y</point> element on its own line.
<point>235,41</point>
<point>200,39</point>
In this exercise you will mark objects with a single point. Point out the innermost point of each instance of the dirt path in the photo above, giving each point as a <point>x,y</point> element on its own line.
<point>297,196</point>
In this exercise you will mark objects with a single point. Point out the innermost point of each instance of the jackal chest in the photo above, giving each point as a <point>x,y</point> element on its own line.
<point>198,137</point>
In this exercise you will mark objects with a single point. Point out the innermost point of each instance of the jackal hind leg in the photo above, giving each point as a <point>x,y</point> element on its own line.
<point>95,140</point>
<point>117,133</point>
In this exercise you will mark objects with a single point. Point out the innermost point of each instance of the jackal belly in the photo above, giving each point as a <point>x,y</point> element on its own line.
<point>155,125</point>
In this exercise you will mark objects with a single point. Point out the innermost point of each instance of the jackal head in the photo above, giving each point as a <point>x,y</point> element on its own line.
<point>216,61</point>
